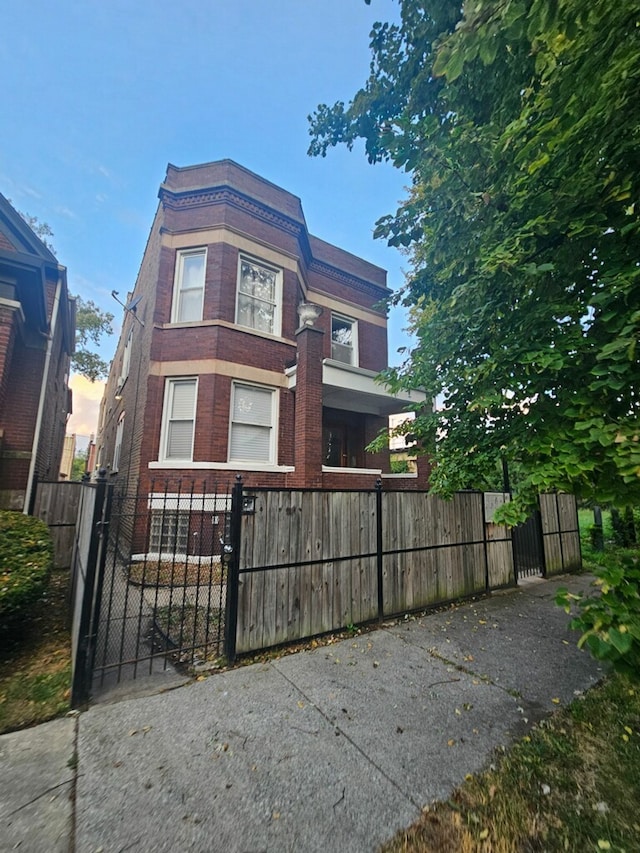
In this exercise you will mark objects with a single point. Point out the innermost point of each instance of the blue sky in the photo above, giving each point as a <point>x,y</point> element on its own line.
<point>99,95</point>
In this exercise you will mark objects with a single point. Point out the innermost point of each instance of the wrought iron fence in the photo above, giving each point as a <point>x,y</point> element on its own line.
<point>188,573</point>
<point>163,590</point>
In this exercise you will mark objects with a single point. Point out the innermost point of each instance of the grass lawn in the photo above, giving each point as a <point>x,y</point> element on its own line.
<point>35,667</point>
<point>572,784</point>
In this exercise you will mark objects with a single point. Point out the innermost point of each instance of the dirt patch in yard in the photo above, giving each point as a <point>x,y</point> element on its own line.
<point>169,573</point>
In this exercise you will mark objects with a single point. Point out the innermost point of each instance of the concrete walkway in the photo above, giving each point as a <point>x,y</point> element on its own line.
<point>326,750</point>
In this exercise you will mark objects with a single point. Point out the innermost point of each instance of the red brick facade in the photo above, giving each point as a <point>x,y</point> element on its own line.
<point>36,340</point>
<point>250,393</point>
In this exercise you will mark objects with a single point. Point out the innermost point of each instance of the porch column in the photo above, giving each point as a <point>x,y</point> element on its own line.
<point>308,408</point>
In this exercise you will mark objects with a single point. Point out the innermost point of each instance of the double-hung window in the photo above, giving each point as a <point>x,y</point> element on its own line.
<point>252,432</point>
<point>188,287</point>
<point>179,419</point>
<point>344,340</point>
<point>259,296</point>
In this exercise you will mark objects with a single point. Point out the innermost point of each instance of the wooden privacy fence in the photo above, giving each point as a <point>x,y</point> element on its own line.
<point>560,534</point>
<point>307,562</point>
<point>57,504</point>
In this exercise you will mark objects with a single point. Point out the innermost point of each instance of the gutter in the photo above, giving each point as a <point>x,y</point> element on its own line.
<point>43,394</point>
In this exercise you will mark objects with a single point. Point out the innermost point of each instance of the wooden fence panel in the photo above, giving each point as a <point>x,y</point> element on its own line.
<point>560,533</point>
<point>499,556</point>
<point>446,558</point>
<point>568,520</point>
<point>57,505</point>
<point>284,604</point>
<point>434,551</point>
<point>500,568</point>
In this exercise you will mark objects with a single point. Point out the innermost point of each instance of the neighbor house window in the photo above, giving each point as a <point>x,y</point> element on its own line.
<point>252,436</point>
<point>344,345</point>
<point>259,294</point>
<point>188,288</point>
<point>179,419</point>
<point>169,531</point>
<point>115,464</point>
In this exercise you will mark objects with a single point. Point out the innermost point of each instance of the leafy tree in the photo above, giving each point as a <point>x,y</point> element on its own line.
<point>91,325</point>
<point>91,322</point>
<point>79,465</point>
<point>518,121</point>
<point>41,229</point>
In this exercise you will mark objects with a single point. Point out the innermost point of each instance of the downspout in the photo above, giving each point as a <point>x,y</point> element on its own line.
<point>43,394</point>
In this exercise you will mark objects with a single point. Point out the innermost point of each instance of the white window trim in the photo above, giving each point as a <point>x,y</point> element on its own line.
<point>117,448</point>
<point>177,278</point>
<point>223,466</point>
<point>277,314</point>
<point>354,345</point>
<point>250,464</point>
<point>166,410</point>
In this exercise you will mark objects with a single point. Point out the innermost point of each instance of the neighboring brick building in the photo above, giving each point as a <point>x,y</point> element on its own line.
<point>224,366</point>
<point>37,330</point>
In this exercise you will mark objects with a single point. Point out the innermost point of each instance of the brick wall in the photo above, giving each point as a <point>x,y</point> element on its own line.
<point>225,195</point>
<point>8,325</point>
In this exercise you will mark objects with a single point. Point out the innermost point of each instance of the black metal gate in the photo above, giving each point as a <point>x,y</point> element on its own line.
<point>157,592</point>
<point>528,548</point>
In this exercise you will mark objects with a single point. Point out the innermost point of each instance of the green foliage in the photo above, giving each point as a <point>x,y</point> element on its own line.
<point>91,322</point>
<point>79,465</point>
<point>91,325</point>
<point>610,621</point>
<point>26,558</point>
<point>41,229</point>
<point>520,125</point>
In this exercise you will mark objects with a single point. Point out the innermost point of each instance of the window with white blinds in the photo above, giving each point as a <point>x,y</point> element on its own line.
<point>188,289</point>
<point>252,424</point>
<point>179,419</point>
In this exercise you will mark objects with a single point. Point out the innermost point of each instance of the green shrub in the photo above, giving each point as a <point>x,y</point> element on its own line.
<point>26,559</point>
<point>610,621</point>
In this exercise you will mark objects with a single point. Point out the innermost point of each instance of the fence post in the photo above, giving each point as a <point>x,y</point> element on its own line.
<point>82,674</point>
<point>559,533</point>
<point>379,549</point>
<point>484,540</point>
<point>232,558</point>
<point>103,526</point>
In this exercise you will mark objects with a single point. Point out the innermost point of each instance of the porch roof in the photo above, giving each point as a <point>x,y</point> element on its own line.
<point>355,389</point>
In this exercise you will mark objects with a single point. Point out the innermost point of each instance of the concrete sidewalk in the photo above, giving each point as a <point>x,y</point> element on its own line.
<point>326,750</point>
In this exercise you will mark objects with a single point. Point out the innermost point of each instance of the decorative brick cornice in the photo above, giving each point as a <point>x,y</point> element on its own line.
<point>189,199</point>
<point>353,281</point>
<point>228,195</point>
